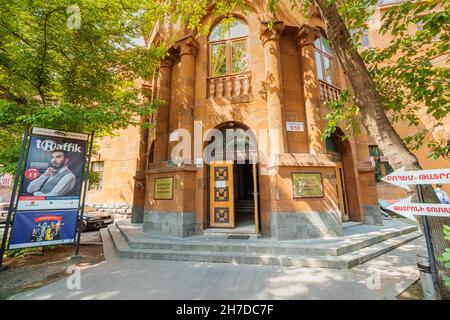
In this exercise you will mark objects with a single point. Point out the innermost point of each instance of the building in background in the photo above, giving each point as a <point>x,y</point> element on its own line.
<point>6,182</point>
<point>114,163</point>
<point>246,80</point>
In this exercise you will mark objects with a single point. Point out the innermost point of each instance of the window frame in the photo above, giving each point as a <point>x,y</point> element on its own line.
<point>228,53</point>
<point>97,186</point>
<point>323,54</point>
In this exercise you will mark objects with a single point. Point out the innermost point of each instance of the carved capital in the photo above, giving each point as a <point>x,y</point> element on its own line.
<point>306,35</point>
<point>166,63</point>
<point>274,33</point>
<point>187,45</point>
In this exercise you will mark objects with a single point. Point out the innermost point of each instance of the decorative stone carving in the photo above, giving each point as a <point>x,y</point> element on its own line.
<point>237,86</point>
<point>212,88</point>
<point>229,87</point>
<point>187,45</point>
<point>306,35</point>
<point>166,63</point>
<point>269,34</point>
<point>246,85</point>
<point>220,88</point>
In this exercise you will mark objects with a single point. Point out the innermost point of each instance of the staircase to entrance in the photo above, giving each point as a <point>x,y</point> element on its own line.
<point>359,244</point>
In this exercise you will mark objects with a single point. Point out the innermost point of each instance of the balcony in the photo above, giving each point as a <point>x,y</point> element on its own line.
<point>328,92</point>
<point>230,89</point>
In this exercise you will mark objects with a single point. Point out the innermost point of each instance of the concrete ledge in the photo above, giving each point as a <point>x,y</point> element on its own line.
<point>373,216</point>
<point>305,225</point>
<point>176,224</point>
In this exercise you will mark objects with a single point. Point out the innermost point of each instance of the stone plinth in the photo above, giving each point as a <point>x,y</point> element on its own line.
<point>305,225</point>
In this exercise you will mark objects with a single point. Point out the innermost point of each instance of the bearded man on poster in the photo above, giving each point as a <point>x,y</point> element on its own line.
<point>57,180</point>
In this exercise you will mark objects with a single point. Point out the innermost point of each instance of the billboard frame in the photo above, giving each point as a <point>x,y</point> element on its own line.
<point>28,133</point>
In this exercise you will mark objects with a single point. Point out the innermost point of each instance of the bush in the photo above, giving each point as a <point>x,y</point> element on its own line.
<point>446,255</point>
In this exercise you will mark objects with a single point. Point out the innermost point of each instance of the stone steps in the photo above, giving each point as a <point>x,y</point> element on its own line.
<point>266,247</point>
<point>248,254</point>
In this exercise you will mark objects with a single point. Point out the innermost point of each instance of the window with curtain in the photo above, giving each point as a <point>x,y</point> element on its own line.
<point>324,60</point>
<point>228,49</point>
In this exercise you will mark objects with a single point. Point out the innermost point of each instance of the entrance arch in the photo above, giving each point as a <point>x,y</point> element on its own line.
<point>232,179</point>
<point>346,185</point>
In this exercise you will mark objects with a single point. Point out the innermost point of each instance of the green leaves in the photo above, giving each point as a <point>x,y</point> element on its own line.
<point>446,255</point>
<point>344,114</point>
<point>72,66</point>
<point>411,72</point>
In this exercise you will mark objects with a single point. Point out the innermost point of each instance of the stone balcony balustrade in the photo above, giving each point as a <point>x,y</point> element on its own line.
<point>230,89</point>
<point>328,92</point>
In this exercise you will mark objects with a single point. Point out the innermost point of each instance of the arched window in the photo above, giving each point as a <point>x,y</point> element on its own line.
<point>228,49</point>
<point>324,60</point>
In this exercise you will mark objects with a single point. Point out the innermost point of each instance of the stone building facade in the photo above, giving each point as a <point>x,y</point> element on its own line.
<point>270,83</point>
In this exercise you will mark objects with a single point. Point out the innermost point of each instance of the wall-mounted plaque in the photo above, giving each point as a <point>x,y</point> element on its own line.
<point>163,189</point>
<point>307,184</point>
<point>295,126</point>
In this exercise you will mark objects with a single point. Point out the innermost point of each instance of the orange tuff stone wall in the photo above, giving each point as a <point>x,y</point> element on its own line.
<point>282,87</point>
<point>119,154</point>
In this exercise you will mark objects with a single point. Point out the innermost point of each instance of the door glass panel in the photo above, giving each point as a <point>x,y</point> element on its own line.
<point>239,56</point>
<point>218,59</point>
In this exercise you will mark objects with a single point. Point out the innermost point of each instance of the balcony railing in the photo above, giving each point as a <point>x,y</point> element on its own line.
<point>328,92</point>
<point>233,87</point>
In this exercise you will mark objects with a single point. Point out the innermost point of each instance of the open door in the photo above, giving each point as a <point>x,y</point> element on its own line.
<point>255,197</point>
<point>341,191</point>
<point>221,195</point>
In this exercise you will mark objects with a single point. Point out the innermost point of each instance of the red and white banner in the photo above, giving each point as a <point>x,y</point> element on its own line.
<point>402,178</point>
<point>408,210</point>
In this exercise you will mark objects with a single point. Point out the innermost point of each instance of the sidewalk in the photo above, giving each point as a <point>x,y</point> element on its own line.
<point>124,278</point>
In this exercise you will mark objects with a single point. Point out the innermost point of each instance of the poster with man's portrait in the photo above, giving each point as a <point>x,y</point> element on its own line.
<point>53,173</point>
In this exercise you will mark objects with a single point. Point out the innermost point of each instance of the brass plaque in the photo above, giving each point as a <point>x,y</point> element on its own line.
<point>307,185</point>
<point>163,189</point>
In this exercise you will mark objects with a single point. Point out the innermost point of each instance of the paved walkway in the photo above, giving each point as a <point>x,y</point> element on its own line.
<point>122,278</point>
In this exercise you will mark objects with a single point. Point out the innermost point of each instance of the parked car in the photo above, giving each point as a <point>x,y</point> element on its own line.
<point>3,212</point>
<point>384,204</point>
<point>94,220</point>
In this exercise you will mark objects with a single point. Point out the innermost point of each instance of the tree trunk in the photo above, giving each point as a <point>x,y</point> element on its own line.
<point>375,119</point>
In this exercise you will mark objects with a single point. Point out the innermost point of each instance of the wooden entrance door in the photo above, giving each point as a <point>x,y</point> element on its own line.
<point>341,191</point>
<point>255,197</point>
<point>221,188</point>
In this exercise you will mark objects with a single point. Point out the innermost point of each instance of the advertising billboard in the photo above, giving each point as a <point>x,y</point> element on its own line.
<point>50,190</point>
<point>53,172</point>
<point>43,228</point>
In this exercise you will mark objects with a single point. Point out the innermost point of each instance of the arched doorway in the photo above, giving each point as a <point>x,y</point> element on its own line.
<point>232,179</point>
<point>341,154</point>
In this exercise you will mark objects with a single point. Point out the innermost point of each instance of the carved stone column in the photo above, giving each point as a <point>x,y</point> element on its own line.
<point>271,43</point>
<point>311,88</point>
<point>162,118</point>
<point>188,47</point>
<point>137,209</point>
